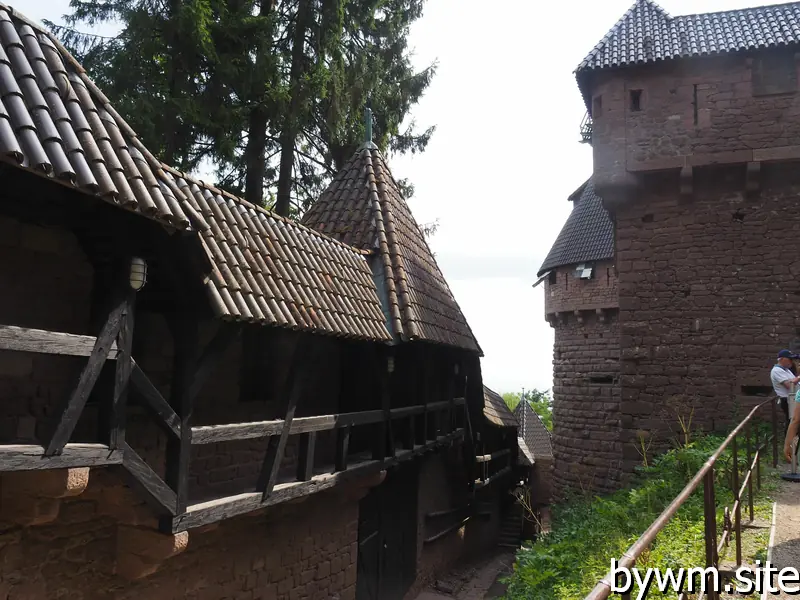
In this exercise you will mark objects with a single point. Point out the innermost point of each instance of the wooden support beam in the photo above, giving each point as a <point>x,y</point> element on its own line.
<point>157,493</point>
<point>492,456</point>
<point>212,434</point>
<point>219,509</point>
<point>119,402</point>
<point>342,447</point>
<point>23,457</point>
<point>69,413</point>
<point>501,473</point>
<point>167,418</point>
<point>298,372</point>
<point>184,333</point>
<point>25,339</point>
<point>305,459</point>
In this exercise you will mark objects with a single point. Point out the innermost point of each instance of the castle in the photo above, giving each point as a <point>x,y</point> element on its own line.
<point>671,286</point>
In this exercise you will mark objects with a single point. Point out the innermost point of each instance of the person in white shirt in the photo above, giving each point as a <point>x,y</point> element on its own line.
<point>782,381</point>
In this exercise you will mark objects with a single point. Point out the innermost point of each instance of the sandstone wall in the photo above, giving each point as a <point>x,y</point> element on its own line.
<point>306,551</point>
<point>586,403</point>
<point>563,292</point>
<point>693,112</point>
<point>708,295</point>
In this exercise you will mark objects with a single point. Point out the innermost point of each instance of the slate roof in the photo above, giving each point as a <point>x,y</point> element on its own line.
<point>588,234</point>
<point>270,270</point>
<point>363,207</point>
<point>534,438</point>
<point>496,410</point>
<point>55,122</point>
<point>647,33</point>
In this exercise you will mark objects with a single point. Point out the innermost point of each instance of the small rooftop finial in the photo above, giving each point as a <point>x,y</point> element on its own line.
<point>368,122</point>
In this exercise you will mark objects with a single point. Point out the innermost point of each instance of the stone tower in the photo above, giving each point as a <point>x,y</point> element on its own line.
<point>694,123</point>
<point>581,304</point>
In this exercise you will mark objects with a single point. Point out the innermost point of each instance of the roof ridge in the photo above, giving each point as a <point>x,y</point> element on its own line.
<point>604,40</point>
<point>736,10</point>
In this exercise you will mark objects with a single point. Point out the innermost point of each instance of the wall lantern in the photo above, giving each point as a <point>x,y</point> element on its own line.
<point>138,275</point>
<point>390,364</point>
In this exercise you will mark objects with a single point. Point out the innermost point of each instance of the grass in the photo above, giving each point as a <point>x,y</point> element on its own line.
<point>588,532</point>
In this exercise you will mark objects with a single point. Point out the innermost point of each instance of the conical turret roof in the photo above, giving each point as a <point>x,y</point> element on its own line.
<point>363,207</point>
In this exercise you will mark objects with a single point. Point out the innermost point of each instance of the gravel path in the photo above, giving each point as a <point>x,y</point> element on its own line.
<point>786,545</point>
<point>475,581</point>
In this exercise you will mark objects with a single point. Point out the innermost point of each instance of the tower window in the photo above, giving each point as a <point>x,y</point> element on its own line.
<point>636,100</point>
<point>552,278</point>
<point>584,271</point>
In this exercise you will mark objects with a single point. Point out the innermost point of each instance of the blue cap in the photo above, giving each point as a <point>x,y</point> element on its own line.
<point>785,354</point>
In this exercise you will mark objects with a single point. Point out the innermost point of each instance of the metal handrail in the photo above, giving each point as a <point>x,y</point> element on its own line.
<point>602,590</point>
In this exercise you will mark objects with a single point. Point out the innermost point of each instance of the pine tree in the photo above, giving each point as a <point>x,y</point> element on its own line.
<point>271,91</point>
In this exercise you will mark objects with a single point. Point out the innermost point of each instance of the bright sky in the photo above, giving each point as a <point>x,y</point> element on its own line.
<point>504,157</point>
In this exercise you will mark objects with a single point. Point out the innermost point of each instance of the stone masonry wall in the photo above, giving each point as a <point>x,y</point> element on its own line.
<point>693,112</point>
<point>306,551</point>
<point>708,295</point>
<point>586,401</point>
<point>568,293</point>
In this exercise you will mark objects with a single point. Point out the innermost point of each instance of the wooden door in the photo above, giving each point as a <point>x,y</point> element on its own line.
<point>387,537</point>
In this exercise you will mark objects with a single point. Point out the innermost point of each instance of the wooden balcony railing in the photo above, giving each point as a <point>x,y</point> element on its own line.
<point>427,426</point>
<point>490,469</point>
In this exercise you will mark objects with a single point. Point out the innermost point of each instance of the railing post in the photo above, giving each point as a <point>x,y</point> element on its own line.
<point>774,435</point>
<point>710,513</point>
<point>758,459</point>
<point>750,471</point>
<point>737,515</point>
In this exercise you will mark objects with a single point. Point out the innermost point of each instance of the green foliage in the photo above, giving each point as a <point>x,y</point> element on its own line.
<point>541,402</point>
<point>272,92</point>
<point>588,532</point>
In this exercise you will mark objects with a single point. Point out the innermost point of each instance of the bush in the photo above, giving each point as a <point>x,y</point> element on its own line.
<point>567,563</point>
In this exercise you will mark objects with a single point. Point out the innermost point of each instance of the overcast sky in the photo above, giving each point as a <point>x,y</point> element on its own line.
<point>504,157</point>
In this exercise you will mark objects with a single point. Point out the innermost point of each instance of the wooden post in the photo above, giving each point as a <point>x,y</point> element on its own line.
<point>122,375</point>
<point>184,334</point>
<point>297,373</point>
<point>342,446</point>
<point>305,461</point>
<point>70,411</point>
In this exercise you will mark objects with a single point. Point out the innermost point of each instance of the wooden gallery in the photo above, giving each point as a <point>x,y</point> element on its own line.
<point>204,400</point>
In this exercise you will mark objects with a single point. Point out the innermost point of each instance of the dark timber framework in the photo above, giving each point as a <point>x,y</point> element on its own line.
<point>429,426</point>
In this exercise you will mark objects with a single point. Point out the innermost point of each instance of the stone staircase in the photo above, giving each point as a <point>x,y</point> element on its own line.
<point>511,528</point>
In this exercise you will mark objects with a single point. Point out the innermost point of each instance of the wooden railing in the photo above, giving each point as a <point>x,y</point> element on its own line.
<point>428,426</point>
<point>706,476</point>
<point>490,470</point>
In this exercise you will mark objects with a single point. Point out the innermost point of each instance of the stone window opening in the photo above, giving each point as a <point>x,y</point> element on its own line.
<point>636,100</point>
<point>695,106</point>
<point>774,73</point>
<point>584,271</point>
<point>602,379</point>
<point>552,278</point>
<point>757,390</point>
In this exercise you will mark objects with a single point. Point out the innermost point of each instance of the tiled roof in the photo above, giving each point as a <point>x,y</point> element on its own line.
<point>56,123</point>
<point>270,270</point>
<point>533,433</point>
<point>363,207</point>
<point>496,410</point>
<point>588,234</point>
<point>646,33</point>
